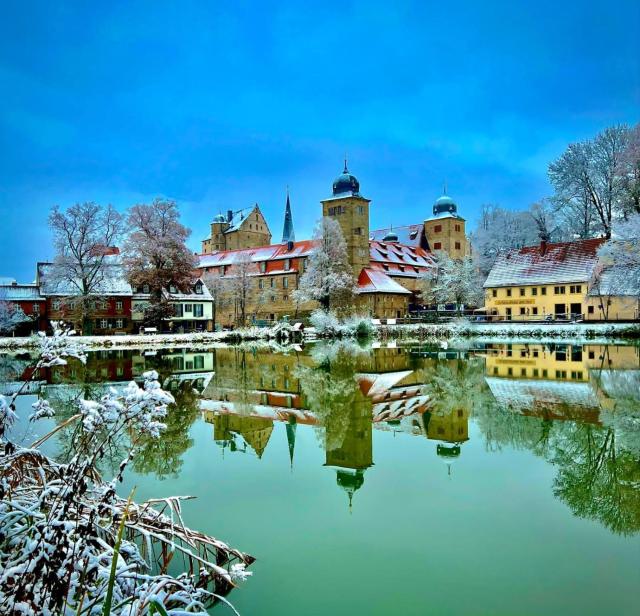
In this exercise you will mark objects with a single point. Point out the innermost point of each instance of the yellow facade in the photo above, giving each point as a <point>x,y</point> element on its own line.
<point>352,213</point>
<point>447,233</point>
<point>251,232</point>
<point>537,302</point>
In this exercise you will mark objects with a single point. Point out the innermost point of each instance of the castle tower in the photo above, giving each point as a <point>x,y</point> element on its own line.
<point>445,230</point>
<point>288,234</point>
<point>351,210</point>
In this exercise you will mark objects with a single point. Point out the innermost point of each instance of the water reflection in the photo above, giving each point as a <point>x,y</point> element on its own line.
<point>575,406</point>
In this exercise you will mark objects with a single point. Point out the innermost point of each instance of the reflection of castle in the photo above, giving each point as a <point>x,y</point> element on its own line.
<point>559,381</point>
<point>251,390</point>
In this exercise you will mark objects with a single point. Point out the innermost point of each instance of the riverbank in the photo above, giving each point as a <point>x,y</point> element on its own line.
<point>424,333</point>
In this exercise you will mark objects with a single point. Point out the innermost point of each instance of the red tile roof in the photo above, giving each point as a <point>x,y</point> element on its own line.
<point>559,263</point>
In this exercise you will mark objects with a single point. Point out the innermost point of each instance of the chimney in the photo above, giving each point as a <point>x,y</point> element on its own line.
<point>289,246</point>
<point>229,215</point>
<point>543,247</point>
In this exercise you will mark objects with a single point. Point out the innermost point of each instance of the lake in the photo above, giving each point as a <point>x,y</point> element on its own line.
<point>495,479</point>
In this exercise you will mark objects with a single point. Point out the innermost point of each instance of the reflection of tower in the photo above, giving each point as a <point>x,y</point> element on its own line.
<point>255,431</point>
<point>355,453</point>
<point>291,437</point>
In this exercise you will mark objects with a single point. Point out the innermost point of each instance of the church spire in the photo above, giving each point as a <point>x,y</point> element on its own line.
<point>287,231</point>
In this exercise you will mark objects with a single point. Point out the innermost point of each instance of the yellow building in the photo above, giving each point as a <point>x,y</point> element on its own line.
<point>545,282</point>
<point>445,230</point>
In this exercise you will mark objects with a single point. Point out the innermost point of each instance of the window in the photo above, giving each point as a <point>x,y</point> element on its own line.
<point>523,372</point>
<point>437,246</point>
<point>260,284</point>
<point>119,371</point>
<point>590,309</point>
<point>357,231</point>
<point>457,227</point>
<point>198,362</point>
<point>285,283</point>
<point>510,371</point>
<point>544,373</point>
<point>495,370</point>
<point>522,311</point>
<point>36,309</point>
<point>575,288</point>
<point>119,305</point>
<point>104,323</point>
<point>534,290</point>
<point>273,283</point>
<point>198,310</point>
<point>119,323</point>
<point>458,245</point>
<point>198,288</point>
<point>522,292</point>
<point>543,290</point>
<point>561,374</point>
<point>172,288</point>
<point>223,269</point>
<point>534,310</point>
<point>437,229</point>
<point>536,372</point>
<point>145,288</point>
<point>332,211</point>
<point>494,292</point>
<point>508,292</point>
<point>188,308</point>
<point>287,264</point>
<point>179,309</point>
<point>361,209</point>
<point>559,290</point>
<point>57,304</point>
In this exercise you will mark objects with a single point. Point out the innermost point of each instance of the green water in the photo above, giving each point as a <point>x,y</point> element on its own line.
<point>405,481</point>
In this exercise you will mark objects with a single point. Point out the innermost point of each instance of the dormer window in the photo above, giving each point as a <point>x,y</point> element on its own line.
<point>222,270</point>
<point>145,288</point>
<point>198,288</point>
<point>263,266</point>
<point>172,289</point>
<point>287,264</point>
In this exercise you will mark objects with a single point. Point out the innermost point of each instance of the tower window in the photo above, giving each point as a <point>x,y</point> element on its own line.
<point>357,231</point>
<point>457,227</point>
<point>437,229</point>
<point>361,209</point>
<point>437,246</point>
<point>458,246</point>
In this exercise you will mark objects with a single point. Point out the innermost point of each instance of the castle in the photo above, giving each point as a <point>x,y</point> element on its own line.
<point>386,263</point>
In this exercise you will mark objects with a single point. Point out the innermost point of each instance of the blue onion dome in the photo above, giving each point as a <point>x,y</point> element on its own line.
<point>346,183</point>
<point>390,237</point>
<point>219,218</point>
<point>444,205</point>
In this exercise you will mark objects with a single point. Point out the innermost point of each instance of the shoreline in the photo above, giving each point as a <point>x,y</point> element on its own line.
<point>423,333</point>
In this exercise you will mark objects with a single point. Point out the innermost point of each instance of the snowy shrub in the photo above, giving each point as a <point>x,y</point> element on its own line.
<point>325,323</point>
<point>70,545</point>
<point>357,326</point>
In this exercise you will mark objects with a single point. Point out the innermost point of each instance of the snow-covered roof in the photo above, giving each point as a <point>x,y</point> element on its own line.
<point>442,215</point>
<point>527,395</point>
<point>114,281</point>
<point>20,292</point>
<point>375,281</point>
<point>6,280</point>
<point>557,263</point>
<point>191,295</point>
<point>411,235</point>
<point>262,253</point>
<point>617,281</point>
<point>238,217</point>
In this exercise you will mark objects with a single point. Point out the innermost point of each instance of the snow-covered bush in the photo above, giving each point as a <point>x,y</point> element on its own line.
<point>325,323</point>
<point>70,545</point>
<point>358,326</point>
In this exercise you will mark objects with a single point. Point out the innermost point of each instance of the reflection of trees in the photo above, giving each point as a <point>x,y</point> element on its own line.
<point>163,456</point>
<point>331,390</point>
<point>596,477</point>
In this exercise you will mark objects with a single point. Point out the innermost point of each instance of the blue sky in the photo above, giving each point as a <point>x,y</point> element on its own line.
<point>222,104</point>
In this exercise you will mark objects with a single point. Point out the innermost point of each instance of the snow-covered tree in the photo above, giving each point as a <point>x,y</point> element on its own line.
<point>328,277</point>
<point>82,234</point>
<point>587,181</point>
<point>452,281</point>
<point>155,251</point>
<point>629,171</point>
<point>11,315</point>
<point>619,271</point>
<point>500,230</point>
<point>240,285</point>
<point>218,288</point>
